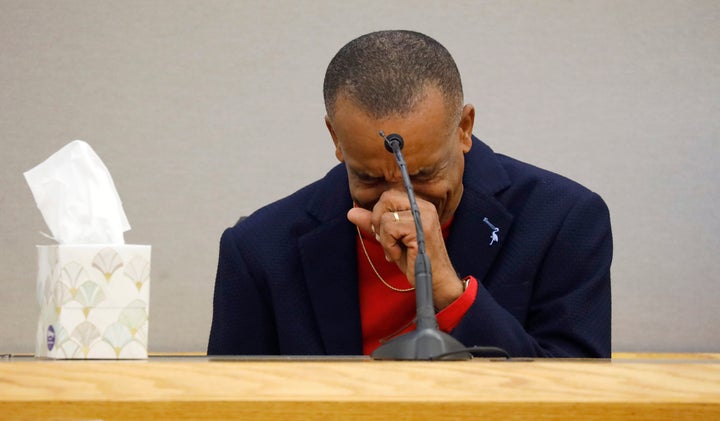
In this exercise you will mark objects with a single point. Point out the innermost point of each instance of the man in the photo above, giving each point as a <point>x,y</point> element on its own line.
<point>520,256</point>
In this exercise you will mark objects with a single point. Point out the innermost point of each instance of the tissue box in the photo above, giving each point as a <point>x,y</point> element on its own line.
<point>94,301</point>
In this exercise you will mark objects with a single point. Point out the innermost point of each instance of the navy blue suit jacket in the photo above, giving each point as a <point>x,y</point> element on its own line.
<point>287,278</point>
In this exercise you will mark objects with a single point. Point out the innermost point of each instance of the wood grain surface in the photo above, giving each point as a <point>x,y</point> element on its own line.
<point>202,388</point>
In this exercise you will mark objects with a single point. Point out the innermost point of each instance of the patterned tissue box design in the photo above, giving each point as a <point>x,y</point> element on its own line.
<point>94,301</point>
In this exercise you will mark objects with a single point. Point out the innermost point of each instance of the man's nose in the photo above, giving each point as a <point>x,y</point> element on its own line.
<point>396,183</point>
<point>393,176</point>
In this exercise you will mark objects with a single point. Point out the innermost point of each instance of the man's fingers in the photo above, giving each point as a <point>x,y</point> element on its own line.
<point>362,218</point>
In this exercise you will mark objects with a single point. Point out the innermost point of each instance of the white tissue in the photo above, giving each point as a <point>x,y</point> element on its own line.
<point>76,195</point>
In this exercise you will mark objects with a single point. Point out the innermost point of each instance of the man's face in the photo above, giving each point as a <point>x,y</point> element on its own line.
<point>434,147</point>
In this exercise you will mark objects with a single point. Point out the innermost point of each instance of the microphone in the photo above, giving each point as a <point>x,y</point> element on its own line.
<point>427,341</point>
<point>392,142</point>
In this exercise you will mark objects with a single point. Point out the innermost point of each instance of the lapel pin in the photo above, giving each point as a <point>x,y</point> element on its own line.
<point>493,236</point>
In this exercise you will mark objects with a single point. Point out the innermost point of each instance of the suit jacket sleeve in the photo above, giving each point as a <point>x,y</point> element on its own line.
<point>242,318</point>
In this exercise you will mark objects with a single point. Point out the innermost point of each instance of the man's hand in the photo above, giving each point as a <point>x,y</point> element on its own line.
<point>392,222</point>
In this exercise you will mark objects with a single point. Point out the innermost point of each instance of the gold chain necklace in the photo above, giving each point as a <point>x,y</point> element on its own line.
<point>362,243</point>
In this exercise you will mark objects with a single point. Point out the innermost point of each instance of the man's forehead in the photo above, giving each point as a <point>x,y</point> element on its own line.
<point>378,162</point>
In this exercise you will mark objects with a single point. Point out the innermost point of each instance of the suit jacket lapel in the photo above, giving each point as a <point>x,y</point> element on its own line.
<point>477,234</point>
<point>329,262</point>
<point>481,222</point>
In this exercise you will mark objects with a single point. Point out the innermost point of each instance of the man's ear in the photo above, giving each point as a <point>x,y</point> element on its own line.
<point>338,150</point>
<point>467,121</point>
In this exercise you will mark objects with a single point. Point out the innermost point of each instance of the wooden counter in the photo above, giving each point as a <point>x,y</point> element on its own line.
<point>631,387</point>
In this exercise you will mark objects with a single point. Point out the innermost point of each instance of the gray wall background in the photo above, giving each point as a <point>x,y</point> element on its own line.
<point>206,110</point>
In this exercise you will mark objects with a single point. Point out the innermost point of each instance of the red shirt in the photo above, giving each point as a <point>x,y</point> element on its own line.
<point>386,313</point>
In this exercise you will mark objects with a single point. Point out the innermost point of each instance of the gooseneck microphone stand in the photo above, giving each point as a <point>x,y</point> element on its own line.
<point>427,341</point>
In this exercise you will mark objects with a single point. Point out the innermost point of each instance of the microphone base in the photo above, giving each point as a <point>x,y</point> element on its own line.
<point>421,344</point>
